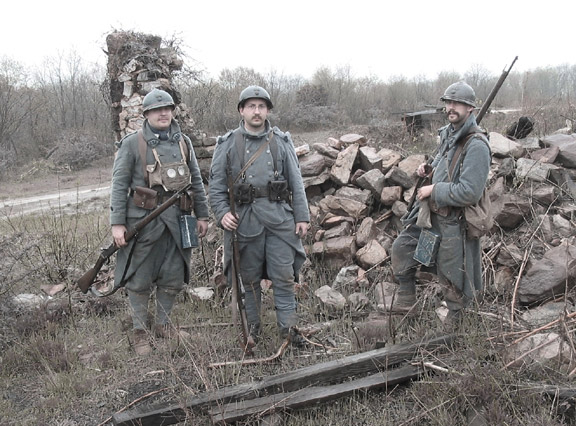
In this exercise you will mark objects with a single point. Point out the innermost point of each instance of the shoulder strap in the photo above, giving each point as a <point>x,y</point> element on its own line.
<point>142,148</point>
<point>274,152</point>
<point>461,145</point>
<point>185,148</point>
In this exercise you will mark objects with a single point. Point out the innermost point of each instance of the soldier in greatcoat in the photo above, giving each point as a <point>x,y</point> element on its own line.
<point>158,160</point>
<point>272,213</point>
<point>459,258</point>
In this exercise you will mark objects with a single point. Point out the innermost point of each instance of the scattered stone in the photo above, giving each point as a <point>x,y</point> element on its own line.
<point>330,298</point>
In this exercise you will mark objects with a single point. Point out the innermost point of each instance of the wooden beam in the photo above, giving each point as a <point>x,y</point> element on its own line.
<point>314,375</point>
<point>256,408</point>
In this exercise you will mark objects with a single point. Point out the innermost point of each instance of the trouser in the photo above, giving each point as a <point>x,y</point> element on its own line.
<point>273,253</point>
<point>449,261</point>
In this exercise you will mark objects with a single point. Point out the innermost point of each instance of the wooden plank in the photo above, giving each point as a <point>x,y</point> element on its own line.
<point>259,407</point>
<point>318,374</point>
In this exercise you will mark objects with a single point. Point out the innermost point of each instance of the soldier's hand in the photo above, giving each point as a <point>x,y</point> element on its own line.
<point>425,192</point>
<point>119,235</point>
<point>202,228</point>
<point>424,170</point>
<point>229,222</point>
<point>302,229</point>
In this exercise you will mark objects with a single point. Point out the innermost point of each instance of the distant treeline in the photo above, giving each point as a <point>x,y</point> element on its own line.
<point>62,110</point>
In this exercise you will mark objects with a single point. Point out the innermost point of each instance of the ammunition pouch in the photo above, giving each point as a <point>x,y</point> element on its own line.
<point>145,198</point>
<point>275,191</point>
<point>278,191</point>
<point>187,202</point>
<point>243,193</point>
<point>149,198</point>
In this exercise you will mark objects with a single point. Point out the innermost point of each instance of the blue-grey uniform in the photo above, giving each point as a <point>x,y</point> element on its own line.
<point>269,246</point>
<point>156,257</point>
<point>459,259</point>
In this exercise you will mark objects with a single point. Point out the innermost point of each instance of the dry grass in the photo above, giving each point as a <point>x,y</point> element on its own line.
<point>69,362</point>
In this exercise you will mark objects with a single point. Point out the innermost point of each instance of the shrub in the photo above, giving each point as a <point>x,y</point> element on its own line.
<point>77,150</point>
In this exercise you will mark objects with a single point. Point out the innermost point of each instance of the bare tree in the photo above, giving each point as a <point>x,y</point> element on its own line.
<point>14,102</point>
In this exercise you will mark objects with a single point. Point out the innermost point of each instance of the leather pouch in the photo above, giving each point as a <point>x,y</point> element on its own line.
<point>145,198</point>
<point>243,193</point>
<point>278,190</point>
<point>187,202</point>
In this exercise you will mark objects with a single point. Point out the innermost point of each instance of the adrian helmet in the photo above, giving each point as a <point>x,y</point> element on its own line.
<point>460,92</point>
<point>157,99</point>
<point>254,92</point>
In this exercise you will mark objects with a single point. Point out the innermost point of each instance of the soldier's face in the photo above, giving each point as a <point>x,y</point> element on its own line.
<point>457,112</point>
<point>160,118</point>
<point>254,113</point>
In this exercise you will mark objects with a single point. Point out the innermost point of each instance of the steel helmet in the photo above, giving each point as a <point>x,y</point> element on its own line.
<point>157,99</point>
<point>460,92</point>
<point>254,92</point>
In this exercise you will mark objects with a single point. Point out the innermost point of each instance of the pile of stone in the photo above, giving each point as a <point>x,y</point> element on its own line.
<point>358,194</point>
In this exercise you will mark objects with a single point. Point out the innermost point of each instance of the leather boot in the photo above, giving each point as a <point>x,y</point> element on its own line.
<point>403,302</point>
<point>405,297</point>
<point>140,344</point>
<point>168,331</point>
<point>254,332</point>
<point>296,339</point>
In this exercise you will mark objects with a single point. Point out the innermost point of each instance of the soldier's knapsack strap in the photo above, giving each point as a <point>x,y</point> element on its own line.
<point>142,148</point>
<point>461,145</point>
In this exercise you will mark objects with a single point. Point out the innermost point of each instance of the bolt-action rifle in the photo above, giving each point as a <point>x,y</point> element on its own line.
<point>238,309</point>
<point>479,117</point>
<point>85,281</point>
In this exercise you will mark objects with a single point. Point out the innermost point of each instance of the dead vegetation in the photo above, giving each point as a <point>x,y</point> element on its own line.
<point>67,359</point>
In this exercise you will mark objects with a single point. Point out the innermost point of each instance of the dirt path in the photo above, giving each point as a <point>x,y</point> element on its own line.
<point>64,191</point>
<point>60,200</point>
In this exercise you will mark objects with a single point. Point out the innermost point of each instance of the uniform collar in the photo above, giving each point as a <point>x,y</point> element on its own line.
<point>252,135</point>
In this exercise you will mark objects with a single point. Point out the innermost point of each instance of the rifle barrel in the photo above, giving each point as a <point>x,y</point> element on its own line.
<point>493,93</point>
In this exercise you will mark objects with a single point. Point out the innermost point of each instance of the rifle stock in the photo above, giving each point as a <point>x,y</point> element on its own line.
<point>86,280</point>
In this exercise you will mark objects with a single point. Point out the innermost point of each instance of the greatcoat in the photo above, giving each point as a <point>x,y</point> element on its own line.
<point>262,219</point>
<point>127,174</point>
<point>459,259</point>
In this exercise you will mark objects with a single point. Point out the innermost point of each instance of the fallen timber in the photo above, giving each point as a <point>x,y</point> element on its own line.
<point>325,373</point>
<point>256,408</point>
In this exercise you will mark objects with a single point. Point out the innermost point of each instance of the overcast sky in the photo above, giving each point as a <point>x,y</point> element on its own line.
<point>380,38</point>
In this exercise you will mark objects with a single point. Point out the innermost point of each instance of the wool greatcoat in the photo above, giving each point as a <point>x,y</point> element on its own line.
<point>459,259</point>
<point>269,247</point>
<point>161,236</point>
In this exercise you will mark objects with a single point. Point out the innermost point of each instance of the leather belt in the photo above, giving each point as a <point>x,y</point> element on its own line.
<point>260,192</point>
<point>162,196</point>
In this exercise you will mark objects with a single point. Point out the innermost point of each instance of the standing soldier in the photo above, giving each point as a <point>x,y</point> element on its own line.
<point>271,207</point>
<point>150,166</point>
<point>454,186</point>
